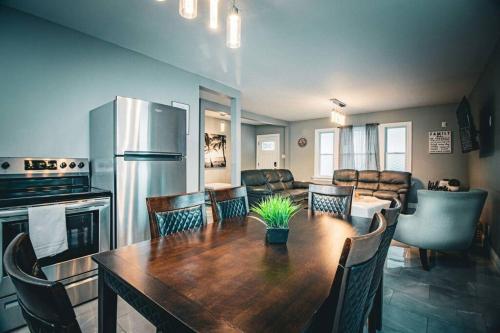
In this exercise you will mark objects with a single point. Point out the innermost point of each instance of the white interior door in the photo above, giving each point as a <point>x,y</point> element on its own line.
<point>268,151</point>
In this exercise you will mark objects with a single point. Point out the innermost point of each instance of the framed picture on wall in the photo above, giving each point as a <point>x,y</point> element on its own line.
<point>186,108</point>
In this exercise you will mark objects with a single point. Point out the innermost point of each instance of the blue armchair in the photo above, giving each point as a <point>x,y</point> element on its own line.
<point>443,221</point>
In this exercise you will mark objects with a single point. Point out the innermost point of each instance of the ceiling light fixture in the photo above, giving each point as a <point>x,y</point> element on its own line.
<point>233,28</point>
<point>337,116</point>
<point>188,8</point>
<point>214,14</point>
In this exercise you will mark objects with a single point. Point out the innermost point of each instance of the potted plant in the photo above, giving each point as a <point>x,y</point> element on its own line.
<point>275,212</point>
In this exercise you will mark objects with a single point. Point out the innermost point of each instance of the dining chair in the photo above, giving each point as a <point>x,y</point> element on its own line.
<point>45,305</point>
<point>343,310</point>
<point>175,213</point>
<point>229,202</point>
<point>330,199</point>
<point>373,308</point>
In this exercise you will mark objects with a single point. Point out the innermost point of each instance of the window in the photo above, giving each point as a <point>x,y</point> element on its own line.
<point>325,152</point>
<point>395,146</point>
<point>359,142</point>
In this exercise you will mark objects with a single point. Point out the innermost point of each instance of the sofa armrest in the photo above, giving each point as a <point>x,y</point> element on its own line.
<point>297,184</point>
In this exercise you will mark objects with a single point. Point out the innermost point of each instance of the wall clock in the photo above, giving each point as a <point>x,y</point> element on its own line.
<point>302,142</point>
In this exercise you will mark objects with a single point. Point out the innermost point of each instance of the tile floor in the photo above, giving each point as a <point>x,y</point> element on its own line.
<point>456,296</point>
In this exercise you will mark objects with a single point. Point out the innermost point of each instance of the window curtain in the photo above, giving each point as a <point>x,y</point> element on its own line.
<point>371,146</point>
<point>346,148</point>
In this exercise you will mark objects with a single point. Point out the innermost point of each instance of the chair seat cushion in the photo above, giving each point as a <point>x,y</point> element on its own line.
<point>362,191</point>
<point>385,195</point>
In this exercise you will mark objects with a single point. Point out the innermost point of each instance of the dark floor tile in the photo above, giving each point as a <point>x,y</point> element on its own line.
<point>439,326</point>
<point>408,286</point>
<point>396,319</point>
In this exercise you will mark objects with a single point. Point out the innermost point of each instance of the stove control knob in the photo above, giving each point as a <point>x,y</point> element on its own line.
<point>5,165</point>
<point>81,165</point>
<point>63,165</point>
<point>72,165</point>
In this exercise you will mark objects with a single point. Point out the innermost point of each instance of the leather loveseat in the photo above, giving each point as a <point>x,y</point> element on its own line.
<point>267,182</point>
<point>384,185</point>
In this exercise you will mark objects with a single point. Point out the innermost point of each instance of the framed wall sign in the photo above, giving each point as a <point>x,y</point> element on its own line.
<point>440,142</point>
<point>184,107</point>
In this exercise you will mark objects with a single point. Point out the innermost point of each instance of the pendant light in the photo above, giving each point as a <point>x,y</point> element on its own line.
<point>188,8</point>
<point>337,117</point>
<point>222,126</point>
<point>233,27</point>
<point>214,14</point>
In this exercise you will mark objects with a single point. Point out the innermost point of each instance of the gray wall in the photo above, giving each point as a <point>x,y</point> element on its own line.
<point>483,172</point>
<point>425,166</point>
<point>248,145</point>
<point>272,129</point>
<point>52,76</point>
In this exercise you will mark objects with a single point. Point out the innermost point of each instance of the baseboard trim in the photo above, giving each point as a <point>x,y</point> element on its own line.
<point>495,259</point>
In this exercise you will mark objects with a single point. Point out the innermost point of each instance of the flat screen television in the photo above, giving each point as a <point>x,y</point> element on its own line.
<point>486,132</point>
<point>467,131</point>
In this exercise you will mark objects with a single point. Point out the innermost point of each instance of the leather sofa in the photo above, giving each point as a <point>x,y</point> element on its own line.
<point>384,185</point>
<point>267,182</point>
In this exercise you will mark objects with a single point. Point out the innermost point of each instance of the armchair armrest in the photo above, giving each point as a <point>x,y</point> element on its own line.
<point>297,184</point>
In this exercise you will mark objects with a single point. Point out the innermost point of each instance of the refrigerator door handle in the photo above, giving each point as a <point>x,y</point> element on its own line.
<point>148,155</point>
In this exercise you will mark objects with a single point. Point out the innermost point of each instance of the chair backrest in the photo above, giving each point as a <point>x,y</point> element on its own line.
<point>228,203</point>
<point>45,304</point>
<point>343,310</point>
<point>330,199</point>
<point>391,215</point>
<point>448,220</point>
<point>345,177</point>
<point>174,213</point>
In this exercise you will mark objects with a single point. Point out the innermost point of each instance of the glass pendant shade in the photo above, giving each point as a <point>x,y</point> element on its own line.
<point>233,33</point>
<point>337,118</point>
<point>188,8</point>
<point>214,14</point>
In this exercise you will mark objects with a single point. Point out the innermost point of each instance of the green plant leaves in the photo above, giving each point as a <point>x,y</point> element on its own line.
<point>276,211</point>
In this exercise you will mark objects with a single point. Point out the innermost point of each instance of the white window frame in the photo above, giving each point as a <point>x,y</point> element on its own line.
<point>335,152</point>
<point>381,139</point>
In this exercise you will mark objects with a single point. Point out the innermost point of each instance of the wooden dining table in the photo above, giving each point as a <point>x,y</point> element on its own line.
<point>225,278</point>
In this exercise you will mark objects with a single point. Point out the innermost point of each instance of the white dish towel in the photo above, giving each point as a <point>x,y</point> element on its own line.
<point>47,229</point>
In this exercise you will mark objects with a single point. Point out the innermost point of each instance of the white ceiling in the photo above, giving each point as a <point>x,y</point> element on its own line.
<point>295,55</point>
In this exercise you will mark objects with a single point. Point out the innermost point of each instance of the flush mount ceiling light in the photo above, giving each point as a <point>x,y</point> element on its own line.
<point>337,116</point>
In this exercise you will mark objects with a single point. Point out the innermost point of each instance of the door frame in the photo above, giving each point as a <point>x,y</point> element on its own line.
<point>257,152</point>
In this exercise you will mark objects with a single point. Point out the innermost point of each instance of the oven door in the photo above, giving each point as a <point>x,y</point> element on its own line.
<point>88,228</point>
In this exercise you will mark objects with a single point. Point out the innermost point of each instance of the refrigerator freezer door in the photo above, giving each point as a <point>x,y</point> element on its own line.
<point>135,181</point>
<point>149,127</point>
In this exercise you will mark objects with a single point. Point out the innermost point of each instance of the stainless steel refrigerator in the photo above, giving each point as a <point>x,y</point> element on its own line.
<point>137,150</point>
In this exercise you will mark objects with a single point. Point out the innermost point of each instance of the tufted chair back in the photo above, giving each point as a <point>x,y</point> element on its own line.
<point>330,199</point>
<point>175,213</point>
<point>343,310</point>
<point>228,203</point>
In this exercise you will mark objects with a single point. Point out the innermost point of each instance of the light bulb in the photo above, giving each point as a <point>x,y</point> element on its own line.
<point>233,33</point>
<point>214,14</point>
<point>188,8</point>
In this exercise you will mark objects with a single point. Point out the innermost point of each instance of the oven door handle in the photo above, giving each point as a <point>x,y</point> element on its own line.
<point>76,207</point>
